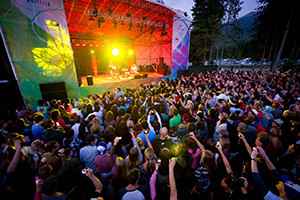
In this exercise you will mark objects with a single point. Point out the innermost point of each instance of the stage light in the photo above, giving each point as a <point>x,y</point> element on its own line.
<point>92,51</point>
<point>51,23</point>
<point>48,22</point>
<point>130,52</point>
<point>115,51</point>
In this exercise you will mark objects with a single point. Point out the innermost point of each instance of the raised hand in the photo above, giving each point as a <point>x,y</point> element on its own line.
<point>291,149</point>
<point>219,146</point>
<point>254,153</point>
<point>117,140</point>
<point>132,133</point>
<point>38,184</point>
<point>192,135</point>
<point>261,151</point>
<point>157,164</point>
<point>241,136</point>
<point>18,144</point>
<point>172,163</point>
<point>89,172</point>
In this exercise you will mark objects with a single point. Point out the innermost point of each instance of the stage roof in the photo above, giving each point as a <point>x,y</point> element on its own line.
<point>139,21</point>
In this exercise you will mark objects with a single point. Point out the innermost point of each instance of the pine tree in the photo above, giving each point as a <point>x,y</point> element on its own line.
<point>232,9</point>
<point>231,36</point>
<point>207,18</point>
<point>278,30</point>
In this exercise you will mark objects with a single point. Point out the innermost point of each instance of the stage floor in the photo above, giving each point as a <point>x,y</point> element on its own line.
<point>103,83</point>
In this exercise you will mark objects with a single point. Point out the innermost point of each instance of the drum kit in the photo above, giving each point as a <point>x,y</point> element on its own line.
<point>118,72</point>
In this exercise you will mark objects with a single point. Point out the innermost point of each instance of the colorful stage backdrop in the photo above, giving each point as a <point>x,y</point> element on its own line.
<point>38,40</point>
<point>181,40</point>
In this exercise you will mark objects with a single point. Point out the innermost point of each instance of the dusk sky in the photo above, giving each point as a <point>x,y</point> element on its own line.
<point>248,5</point>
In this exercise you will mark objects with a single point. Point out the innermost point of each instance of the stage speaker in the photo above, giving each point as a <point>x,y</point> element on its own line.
<point>137,76</point>
<point>90,80</point>
<point>51,91</point>
<point>140,76</point>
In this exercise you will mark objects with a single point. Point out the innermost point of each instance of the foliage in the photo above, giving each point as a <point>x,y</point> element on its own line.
<point>208,16</point>
<point>274,16</point>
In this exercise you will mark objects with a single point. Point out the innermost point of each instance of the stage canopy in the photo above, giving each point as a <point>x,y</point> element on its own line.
<point>147,26</point>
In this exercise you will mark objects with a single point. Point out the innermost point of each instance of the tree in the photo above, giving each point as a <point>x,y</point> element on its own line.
<point>231,10</point>
<point>230,36</point>
<point>277,30</point>
<point>207,18</point>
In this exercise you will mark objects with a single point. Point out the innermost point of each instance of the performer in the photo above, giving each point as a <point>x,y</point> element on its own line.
<point>113,70</point>
<point>134,69</point>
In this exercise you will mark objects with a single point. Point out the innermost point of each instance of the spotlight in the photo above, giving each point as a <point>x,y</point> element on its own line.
<point>92,51</point>
<point>115,51</point>
<point>50,22</point>
<point>130,52</point>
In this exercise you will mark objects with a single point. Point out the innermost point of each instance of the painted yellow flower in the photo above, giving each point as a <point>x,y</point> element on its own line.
<point>57,56</point>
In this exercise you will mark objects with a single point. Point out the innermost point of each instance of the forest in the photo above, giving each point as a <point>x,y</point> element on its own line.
<point>271,33</point>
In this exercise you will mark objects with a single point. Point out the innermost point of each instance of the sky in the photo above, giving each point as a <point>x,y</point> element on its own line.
<point>186,5</point>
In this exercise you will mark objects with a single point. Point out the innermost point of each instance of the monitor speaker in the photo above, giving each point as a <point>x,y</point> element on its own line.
<point>140,76</point>
<point>137,76</point>
<point>51,91</point>
<point>90,80</point>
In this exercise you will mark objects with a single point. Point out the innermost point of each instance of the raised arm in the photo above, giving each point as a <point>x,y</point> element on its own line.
<point>97,183</point>
<point>173,190</point>
<point>199,144</point>
<point>153,182</point>
<point>224,159</point>
<point>148,141</point>
<point>134,142</point>
<point>158,118</point>
<point>115,143</point>
<point>268,162</point>
<point>257,180</point>
<point>247,146</point>
<point>145,102</point>
<point>38,189</point>
<point>149,119</point>
<point>254,153</point>
<point>15,160</point>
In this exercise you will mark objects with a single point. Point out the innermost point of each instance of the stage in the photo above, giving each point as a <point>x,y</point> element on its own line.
<point>64,40</point>
<point>103,83</point>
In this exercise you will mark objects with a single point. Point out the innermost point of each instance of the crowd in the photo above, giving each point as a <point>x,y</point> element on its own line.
<point>212,135</point>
